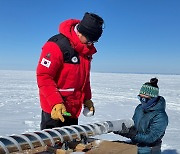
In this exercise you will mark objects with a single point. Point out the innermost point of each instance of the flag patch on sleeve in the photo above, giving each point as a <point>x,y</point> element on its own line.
<point>45,62</point>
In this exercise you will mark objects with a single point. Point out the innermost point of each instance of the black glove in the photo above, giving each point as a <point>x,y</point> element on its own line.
<point>132,132</point>
<point>127,132</point>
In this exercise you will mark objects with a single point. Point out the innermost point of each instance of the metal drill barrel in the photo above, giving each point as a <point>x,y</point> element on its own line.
<point>31,140</point>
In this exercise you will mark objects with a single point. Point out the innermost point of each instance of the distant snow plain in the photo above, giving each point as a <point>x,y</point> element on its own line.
<point>114,95</point>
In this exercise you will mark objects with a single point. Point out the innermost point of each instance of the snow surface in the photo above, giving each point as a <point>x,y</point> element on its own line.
<point>114,95</point>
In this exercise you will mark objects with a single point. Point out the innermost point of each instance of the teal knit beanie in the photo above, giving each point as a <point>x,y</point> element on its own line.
<point>150,88</point>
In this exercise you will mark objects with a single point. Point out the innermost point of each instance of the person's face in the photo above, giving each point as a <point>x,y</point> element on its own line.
<point>143,98</point>
<point>84,40</point>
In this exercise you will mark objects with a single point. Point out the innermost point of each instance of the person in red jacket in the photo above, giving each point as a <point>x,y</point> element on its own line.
<point>64,87</point>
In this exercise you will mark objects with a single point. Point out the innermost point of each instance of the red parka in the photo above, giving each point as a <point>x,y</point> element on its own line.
<point>61,82</point>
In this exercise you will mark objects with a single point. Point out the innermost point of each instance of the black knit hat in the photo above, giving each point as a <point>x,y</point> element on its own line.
<point>91,26</point>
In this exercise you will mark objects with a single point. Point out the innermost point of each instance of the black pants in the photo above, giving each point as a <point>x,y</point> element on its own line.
<point>47,122</point>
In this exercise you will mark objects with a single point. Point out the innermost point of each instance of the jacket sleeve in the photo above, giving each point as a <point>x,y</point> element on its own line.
<point>87,86</point>
<point>155,131</point>
<point>87,91</point>
<point>49,65</point>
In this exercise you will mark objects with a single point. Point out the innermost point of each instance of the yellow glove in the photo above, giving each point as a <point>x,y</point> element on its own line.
<point>57,112</point>
<point>90,105</point>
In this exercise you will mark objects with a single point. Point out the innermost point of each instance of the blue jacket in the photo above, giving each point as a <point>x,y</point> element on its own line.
<point>150,123</point>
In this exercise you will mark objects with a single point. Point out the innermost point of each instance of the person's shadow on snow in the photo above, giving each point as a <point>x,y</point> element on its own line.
<point>170,151</point>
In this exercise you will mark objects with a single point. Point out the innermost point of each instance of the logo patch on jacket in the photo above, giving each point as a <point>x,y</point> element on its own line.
<point>74,59</point>
<point>45,62</point>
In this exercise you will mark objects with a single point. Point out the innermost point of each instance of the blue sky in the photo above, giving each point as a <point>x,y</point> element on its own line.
<point>140,36</point>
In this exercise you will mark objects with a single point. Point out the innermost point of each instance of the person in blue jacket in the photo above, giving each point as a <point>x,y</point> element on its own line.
<point>150,120</point>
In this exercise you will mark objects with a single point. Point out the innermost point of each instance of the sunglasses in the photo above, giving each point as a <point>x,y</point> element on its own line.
<point>91,42</point>
<point>143,99</point>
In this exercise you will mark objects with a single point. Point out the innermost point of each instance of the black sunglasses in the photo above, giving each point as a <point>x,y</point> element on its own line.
<point>91,42</point>
<point>143,99</point>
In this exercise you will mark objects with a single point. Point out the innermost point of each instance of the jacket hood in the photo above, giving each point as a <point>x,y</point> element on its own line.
<point>161,105</point>
<point>67,29</point>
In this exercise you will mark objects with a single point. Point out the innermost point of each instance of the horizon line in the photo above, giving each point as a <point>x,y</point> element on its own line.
<point>104,72</point>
